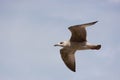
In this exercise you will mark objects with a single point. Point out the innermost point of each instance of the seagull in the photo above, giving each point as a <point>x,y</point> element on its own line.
<point>77,41</point>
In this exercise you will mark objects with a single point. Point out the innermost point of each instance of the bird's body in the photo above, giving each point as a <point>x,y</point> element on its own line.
<point>79,45</point>
<point>77,41</point>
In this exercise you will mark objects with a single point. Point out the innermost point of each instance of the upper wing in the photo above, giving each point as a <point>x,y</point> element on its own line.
<point>69,58</point>
<point>79,32</point>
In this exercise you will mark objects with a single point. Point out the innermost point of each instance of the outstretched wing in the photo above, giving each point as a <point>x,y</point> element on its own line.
<point>68,57</point>
<point>79,32</point>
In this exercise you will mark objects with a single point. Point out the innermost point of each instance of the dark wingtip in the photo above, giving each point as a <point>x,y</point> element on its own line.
<point>94,22</point>
<point>73,70</point>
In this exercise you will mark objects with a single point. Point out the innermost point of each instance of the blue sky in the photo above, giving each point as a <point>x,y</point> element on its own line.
<point>30,28</point>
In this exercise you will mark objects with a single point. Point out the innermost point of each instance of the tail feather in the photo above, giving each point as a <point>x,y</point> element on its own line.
<point>96,47</point>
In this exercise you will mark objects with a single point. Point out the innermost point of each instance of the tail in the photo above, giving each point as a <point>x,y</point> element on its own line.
<point>96,47</point>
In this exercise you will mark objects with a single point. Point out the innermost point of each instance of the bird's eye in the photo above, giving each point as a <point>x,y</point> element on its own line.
<point>61,42</point>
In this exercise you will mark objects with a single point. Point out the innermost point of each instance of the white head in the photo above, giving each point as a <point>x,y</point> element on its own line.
<point>62,44</point>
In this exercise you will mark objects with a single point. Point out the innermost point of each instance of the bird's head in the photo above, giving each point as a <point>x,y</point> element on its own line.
<point>62,44</point>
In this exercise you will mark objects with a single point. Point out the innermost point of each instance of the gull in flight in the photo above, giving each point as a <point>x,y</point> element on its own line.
<point>77,41</point>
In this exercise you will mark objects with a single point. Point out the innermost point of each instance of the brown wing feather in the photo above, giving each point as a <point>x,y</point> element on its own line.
<point>69,58</point>
<point>79,32</point>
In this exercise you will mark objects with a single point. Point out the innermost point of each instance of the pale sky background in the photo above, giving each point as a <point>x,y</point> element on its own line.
<point>30,28</point>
